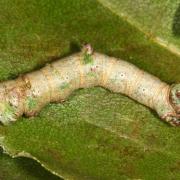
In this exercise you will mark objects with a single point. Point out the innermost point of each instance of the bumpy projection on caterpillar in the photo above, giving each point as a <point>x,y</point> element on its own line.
<point>53,83</point>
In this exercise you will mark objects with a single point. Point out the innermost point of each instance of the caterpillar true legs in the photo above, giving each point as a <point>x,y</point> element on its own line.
<point>30,92</point>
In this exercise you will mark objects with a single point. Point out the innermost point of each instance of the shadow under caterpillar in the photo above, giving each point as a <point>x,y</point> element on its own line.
<point>29,93</point>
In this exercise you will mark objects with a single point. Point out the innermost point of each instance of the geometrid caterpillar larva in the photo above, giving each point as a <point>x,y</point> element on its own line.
<point>53,83</point>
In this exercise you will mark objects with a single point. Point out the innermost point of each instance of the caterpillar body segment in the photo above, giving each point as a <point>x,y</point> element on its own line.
<point>55,82</point>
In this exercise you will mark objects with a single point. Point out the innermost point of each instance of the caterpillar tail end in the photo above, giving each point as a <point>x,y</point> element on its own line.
<point>172,119</point>
<point>174,98</point>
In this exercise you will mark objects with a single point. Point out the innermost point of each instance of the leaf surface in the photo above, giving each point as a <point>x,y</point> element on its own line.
<point>159,20</point>
<point>95,134</point>
<point>22,168</point>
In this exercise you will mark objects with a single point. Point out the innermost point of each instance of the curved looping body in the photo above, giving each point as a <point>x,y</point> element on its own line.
<point>53,83</point>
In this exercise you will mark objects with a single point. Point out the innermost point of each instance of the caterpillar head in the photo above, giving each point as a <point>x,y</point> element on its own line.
<point>175,97</point>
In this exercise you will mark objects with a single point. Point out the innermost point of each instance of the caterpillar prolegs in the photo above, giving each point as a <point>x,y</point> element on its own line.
<point>30,92</point>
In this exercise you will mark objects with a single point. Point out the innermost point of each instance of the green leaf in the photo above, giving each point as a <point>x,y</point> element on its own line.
<point>22,168</point>
<point>158,19</point>
<point>95,134</point>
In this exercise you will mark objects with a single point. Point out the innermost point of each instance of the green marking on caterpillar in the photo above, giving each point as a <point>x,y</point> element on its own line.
<point>87,54</point>
<point>31,103</point>
<point>91,74</point>
<point>8,111</point>
<point>88,58</point>
<point>113,80</point>
<point>64,85</point>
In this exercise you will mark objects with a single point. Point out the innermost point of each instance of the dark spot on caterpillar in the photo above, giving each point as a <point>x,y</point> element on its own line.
<point>122,75</point>
<point>93,69</point>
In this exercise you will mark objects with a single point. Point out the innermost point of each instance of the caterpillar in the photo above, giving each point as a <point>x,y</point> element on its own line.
<point>27,94</point>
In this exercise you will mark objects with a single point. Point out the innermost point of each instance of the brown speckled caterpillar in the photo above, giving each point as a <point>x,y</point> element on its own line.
<point>53,83</point>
